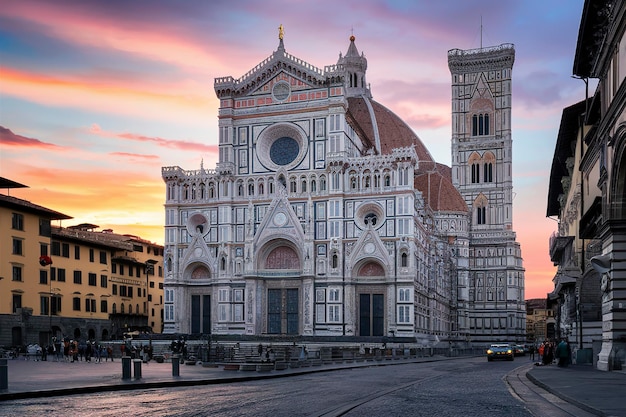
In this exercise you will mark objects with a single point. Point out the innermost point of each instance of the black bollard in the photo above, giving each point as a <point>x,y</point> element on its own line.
<point>137,368</point>
<point>175,365</point>
<point>126,367</point>
<point>4,375</point>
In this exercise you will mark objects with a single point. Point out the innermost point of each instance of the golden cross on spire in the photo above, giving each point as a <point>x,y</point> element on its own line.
<point>281,32</point>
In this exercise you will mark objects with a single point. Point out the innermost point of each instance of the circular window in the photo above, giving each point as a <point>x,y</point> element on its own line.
<point>370,214</point>
<point>284,151</point>
<point>281,146</point>
<point>281,91</point>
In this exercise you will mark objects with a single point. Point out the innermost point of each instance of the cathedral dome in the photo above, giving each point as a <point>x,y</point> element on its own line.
<point>382,130</point>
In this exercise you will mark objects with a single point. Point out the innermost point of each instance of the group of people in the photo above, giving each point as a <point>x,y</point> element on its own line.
<point>550,351</point>
<point>71,350</point>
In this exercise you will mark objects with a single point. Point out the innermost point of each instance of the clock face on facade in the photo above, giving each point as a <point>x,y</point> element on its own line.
<point>284,151</point>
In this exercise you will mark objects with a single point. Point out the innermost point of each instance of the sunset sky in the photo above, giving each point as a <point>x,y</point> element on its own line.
<point>97,96</point>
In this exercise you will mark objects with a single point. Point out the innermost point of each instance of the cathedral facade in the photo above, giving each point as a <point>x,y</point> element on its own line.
<point>326,216</point>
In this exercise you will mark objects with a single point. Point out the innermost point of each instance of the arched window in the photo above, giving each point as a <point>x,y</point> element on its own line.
<point>481,215</point>
<point>313,186</point>
<point>480,207</point>
<point>303,186</point>
<point>404,260</point>
<point>475,173</point>
<point>334,260</point>
<point>293,186</point>
<point>387,181</point>
<point>240,190</point>
<point>223,263</point>
<point>261,189</point>
<point>488,172</point>
<point>480,124</point>
<point>251,189</point>
<point>323,184</point>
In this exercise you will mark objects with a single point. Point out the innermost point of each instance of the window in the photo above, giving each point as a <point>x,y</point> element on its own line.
<point>76,303</point>
<point>65,250</point>
<point>17,272</point>
<point>488,172</point>
<point>93,279</point>
<point>168,312</point>
<point>334,295</point>
<point>334,261</point>
<point>78,277</point>
<point>404,205</point>
<point>475,173</point>
<point>334,208</point>
<point>17,221</point>
<point>334,313</point>
<point>104,306</point>
<point>17,302</point>
<point>91,255</point>
<point>56,305</point>
<point>404,227</point>
<point>90,305</point>
<point>103,281</point>
<point>114,289</point>
<point>404,295</point>
<point>56,248</point>
<point>480,124</point>
<point>17,246</point>
<point>43,276</point>
<point>404,314</point>
<point>334,229</point>
<point>76,252</point>
<point>404,260</point>
<point>44,302</point>
<point>61,275</point>
<point>481,215</point>
<point>103,257</point>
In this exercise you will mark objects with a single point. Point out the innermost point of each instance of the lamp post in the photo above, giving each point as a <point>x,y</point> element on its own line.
<point>53,291</point>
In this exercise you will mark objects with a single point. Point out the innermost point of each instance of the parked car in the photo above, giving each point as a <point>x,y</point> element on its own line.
<point>500,351</point>
<point>518,350</point>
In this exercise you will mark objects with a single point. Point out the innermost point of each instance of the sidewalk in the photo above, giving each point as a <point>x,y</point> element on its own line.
<point>598,392</point>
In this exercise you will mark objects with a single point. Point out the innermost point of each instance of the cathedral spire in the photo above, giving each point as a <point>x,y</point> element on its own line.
<point>354,67</point>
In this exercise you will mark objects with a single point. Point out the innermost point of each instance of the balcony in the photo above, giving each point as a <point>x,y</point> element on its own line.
<point>558,245</point>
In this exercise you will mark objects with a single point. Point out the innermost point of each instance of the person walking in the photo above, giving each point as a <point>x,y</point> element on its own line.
<point>562,354</point>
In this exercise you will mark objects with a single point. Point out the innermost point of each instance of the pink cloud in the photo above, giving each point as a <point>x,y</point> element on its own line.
<point>8,138</point>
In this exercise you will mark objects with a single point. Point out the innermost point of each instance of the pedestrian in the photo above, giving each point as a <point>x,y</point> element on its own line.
<point>562,354</point>
<point>109,353</point>
<point>531,350</point>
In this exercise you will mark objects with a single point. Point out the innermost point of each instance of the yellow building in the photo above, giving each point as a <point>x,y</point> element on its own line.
<point>98,286</point>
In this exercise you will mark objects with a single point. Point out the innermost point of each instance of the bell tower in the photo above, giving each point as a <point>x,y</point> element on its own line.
<point>482,172</point>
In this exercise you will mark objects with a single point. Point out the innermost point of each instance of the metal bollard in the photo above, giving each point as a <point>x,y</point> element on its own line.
<point>175,365</point>
<point>137,368</point>
<point>125,367</point>
<point>4,375</point>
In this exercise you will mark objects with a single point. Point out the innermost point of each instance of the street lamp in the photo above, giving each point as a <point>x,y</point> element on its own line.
<point>53,291</point>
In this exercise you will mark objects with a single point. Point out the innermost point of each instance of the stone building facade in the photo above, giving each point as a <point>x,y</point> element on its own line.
<point>325,217</point>
<point>482,171</point>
